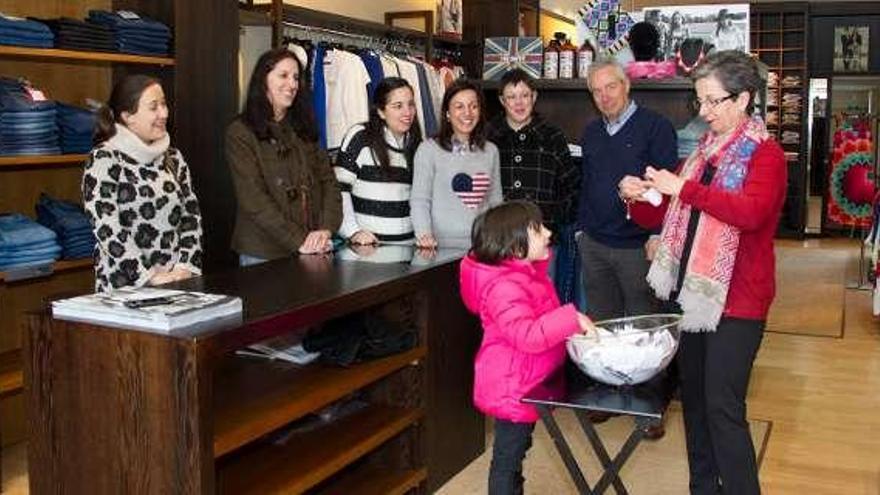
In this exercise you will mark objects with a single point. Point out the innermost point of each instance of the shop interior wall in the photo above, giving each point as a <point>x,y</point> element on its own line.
<point>373,10</point>
<point>822,41</point>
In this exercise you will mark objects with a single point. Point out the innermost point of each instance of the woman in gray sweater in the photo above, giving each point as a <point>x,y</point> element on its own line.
<point>456,175</point>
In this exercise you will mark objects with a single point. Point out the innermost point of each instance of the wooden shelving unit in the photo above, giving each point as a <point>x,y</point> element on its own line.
<point>276,398</point>
<point>41,160</point>
<point>779,38</point>
<point>330,448</point>
<point>55,53</point>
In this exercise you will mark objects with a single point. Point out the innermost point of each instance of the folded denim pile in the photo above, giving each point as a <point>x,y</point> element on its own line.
<point>24,32</point>
<point>24,243</point>
<point>76,34</point>
<point>69,222</point>
<point>27,120</point>
<point>134,33</point>
<point>76,127</point>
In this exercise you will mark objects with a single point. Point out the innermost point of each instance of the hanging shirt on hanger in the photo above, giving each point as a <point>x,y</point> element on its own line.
<point>389,66</point>
<point>346,79</point>
<point>374,69</point>
<point>408,71</point>
<point>319,94</point>
<point>427,101</point>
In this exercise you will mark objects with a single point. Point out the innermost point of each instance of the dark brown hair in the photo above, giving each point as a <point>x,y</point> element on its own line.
<point>375,127</point>
<point>124,98</point>
<point>258,113</point>
<point>514,77</point>
<point>502,232</point>
<point>478,135</point>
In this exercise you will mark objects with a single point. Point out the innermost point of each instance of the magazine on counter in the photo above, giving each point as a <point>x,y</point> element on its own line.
<point>147,308</point>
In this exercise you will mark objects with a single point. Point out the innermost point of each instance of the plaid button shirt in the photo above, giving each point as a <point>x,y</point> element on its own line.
<point>537,166</point>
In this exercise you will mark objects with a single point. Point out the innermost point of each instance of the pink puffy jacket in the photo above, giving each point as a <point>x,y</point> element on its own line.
<point>524,334</point>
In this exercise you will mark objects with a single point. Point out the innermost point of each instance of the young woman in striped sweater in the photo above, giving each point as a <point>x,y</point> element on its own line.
<point>374,168</point>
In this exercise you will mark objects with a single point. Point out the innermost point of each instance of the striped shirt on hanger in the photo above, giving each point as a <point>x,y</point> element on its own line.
<point>374,198</point>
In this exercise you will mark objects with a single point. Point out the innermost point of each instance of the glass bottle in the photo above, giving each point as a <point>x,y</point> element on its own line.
<point>567,55</point>
<point>585,57</point>
<point>551,60</point>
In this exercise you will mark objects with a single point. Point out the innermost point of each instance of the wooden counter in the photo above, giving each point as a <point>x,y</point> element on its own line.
<point>122,411</point>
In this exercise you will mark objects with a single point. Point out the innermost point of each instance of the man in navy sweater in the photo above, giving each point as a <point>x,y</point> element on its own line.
<point>623,142</point>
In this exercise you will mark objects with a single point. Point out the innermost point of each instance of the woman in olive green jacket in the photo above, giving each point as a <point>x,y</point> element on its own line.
<point>288,198</point>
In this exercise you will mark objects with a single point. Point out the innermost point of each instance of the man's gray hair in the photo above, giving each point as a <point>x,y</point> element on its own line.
<point>604,63</point>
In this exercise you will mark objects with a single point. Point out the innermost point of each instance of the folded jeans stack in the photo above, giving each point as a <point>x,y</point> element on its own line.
<point>76,34</point>
<point>27,121</point>
<point>69,222</point>
<point>133,33</point>
<point>24,32</point>
<point>24,242</point>
<point>76,127</point>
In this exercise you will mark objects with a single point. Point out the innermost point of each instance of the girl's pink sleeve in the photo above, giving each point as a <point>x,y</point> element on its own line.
<point>507,304</point>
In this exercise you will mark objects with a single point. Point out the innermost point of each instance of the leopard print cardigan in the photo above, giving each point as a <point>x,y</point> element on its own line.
<point>143,209</point>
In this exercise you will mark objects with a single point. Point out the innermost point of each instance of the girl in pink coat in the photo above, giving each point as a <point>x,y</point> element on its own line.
<point>504,280</point>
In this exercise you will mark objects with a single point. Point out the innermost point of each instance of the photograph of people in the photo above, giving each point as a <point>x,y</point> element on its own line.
<point>138,194</point>
<point>287,196</point>
<point>727,35</point>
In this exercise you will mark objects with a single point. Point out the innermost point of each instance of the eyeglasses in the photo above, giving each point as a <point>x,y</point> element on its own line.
<point>710,103</point>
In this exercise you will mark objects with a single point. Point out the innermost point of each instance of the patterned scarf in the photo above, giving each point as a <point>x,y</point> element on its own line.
<point>713,253</point>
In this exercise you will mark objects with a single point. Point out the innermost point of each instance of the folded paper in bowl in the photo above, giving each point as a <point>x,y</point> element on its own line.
<point>626,351</point>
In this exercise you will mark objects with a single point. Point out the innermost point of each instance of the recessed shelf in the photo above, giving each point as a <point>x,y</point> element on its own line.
<point>41,160</point>
<point>57,53</point>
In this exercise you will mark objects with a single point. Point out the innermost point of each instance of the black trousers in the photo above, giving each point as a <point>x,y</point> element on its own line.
<point>512,441</point>
<point>614,280</point>
<point>714,372</point>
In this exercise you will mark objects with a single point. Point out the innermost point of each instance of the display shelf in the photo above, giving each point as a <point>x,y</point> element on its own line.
<point>278,394</point>
<point>11,376</point>
<point>676,84</point>
<point>41,160</point>
<point>57,53</point>
<point>267,468</point>
<point>63,266</point>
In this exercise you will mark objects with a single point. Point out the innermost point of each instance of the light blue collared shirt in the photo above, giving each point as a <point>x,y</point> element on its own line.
<point>613,127</point>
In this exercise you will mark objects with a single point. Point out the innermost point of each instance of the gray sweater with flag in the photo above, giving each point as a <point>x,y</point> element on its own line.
<point>450,188</point>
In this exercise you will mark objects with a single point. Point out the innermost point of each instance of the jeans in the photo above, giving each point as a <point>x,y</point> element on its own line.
<point>14,98</point>
<point>19,231</point>
<point>714,368</point>
<point>512,441</point>
<point>67,219</point>
<point>23,25</point>
<point>141,25</point>
<point>248,260</point>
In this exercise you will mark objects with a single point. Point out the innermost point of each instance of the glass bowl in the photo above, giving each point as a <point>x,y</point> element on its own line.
<point>626,351</point>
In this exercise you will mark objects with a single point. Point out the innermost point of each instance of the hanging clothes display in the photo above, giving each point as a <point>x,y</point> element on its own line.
<point>851,177</point>
<point>347,67</point>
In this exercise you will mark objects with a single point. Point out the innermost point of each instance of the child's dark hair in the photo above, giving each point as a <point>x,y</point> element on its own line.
<point>503,231</point>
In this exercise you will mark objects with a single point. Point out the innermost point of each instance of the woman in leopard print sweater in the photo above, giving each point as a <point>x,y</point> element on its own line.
<point>138,193</point>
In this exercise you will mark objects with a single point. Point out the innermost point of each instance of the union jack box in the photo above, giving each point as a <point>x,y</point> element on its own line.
<point>503,54</point>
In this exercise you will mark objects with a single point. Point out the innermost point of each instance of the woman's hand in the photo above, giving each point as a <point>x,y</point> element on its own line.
<point>585,323</point>
<point>363,238</point>
<point>318,241</point>
<point>426,241</point>
<point>170,276</point>
<point>651,247</point>
<point>631,188</point>
<point>664,181</point>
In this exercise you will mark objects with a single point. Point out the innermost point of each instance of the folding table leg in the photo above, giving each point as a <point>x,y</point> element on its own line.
<point>602,454</point>
<point>564,450</point>
<point>628,448</point>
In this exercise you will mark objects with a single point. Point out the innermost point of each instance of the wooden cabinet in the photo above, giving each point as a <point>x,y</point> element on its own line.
<point>779,39</point>
<point>132,412</point>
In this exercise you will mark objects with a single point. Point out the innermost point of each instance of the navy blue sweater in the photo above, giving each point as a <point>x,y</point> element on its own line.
<point>647,138</point>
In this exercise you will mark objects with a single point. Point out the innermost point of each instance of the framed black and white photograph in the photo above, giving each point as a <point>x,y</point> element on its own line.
<point>449,18</point>
<point>850,49</point>
<point>725,27</point>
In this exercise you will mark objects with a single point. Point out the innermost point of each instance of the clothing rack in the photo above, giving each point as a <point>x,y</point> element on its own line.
<point>389,42</point>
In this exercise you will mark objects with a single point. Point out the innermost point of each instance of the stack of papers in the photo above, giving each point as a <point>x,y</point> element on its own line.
<point>147,308</point>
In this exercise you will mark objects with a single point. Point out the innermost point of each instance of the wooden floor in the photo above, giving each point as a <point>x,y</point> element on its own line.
<point>821,395</point>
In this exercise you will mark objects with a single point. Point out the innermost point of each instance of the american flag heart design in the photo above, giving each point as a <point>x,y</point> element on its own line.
<point>471,189</point>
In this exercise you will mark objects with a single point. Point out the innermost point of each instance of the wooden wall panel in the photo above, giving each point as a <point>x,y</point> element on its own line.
<point>52,8</point>
<point>20,188</point>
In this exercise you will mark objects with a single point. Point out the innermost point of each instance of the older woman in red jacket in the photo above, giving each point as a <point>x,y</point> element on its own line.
<point>715,258</point>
